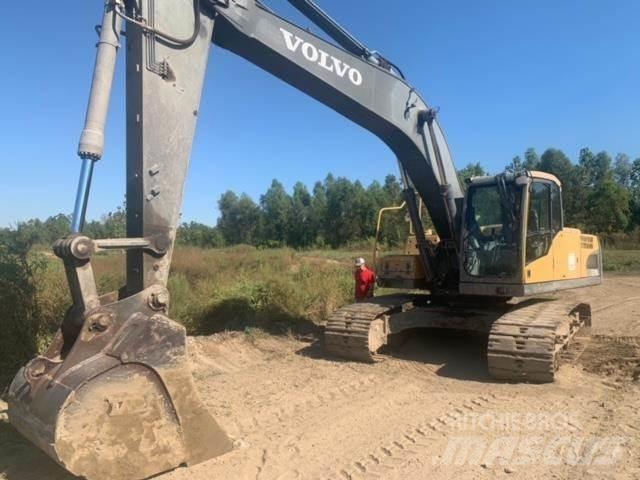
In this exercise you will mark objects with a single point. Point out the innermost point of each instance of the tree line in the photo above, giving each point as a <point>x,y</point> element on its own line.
<point>601,195</point>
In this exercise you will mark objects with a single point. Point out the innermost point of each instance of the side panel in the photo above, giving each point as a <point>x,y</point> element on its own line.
<point>567,255</point>
<point>591,254</point>
<point>568,259</point>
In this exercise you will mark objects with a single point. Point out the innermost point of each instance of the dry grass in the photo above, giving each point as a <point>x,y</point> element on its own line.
<point>279,291</point>
<point>241,288</point>
<point>232,288</point>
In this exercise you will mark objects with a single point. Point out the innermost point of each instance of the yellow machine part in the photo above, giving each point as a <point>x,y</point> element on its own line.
<point>404,270</point>
<point>400,270</point>
<point>571,256</point>
<point>411,244</point>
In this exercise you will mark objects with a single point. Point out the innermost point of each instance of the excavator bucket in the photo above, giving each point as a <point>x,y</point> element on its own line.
<point>113,396</point>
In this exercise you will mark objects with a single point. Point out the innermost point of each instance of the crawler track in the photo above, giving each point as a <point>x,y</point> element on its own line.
<point>349,334</point>
<point>356,331</point>
<point>525,343</point>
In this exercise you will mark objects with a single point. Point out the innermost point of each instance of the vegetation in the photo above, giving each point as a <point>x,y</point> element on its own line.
<point>622,261</point>
<point>235,288</point>
<point>20,311</point>
<point>280,291</point>
<point>601,195</point>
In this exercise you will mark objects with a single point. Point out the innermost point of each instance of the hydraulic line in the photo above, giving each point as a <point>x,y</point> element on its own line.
<point>347,41</point>
<point>183,42</point>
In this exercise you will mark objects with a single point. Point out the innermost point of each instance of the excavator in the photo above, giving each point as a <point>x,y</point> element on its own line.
<point>113,395</point>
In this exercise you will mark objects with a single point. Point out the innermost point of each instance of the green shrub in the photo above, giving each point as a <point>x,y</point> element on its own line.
<point>20,312</point>
<point>242,288</point>
<point>621,260</point>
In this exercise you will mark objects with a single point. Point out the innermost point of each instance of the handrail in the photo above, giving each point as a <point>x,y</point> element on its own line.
<point>378,225</point>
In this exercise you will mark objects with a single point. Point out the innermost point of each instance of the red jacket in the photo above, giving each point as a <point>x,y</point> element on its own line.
<point>365,280</point>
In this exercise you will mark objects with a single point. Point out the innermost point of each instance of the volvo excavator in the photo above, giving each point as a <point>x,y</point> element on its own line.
<point>113,396</point>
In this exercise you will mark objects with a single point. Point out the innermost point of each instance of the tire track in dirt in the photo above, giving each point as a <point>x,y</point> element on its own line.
<point>297,448</point>
<point>615,304</point>
<point>413,441</point>
<point>303,403</point>
<point>607,453</point>
<point>393,388</point>
<point>614,356</point>
<point>408,367</point>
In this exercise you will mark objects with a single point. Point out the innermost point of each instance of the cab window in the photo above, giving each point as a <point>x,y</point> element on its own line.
<point>556,209</point>
<point>543,220</point>
<point>492,246</point>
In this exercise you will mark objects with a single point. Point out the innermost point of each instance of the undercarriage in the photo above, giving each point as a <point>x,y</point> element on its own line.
<point>525,338</point>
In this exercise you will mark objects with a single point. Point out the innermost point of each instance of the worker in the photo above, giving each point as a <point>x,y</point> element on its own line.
<point>365,281</point>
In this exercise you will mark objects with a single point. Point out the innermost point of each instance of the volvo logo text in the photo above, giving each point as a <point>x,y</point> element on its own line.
<point>313,54</point>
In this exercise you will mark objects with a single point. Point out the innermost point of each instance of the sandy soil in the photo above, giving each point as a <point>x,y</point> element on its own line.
<point>429,410</point>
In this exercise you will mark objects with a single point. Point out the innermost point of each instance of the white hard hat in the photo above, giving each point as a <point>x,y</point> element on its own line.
<point>359,261</point>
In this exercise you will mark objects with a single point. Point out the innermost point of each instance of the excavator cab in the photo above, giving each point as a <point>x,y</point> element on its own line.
<point>514,242</point>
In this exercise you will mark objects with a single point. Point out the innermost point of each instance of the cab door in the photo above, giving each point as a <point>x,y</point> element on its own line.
<point>544,223</point>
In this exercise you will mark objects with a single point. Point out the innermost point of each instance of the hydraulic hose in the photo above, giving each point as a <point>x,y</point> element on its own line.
<point>183,42</point>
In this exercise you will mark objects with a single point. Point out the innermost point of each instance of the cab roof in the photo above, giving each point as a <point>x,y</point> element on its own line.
<point>546,176</point>
<point>510,177</point>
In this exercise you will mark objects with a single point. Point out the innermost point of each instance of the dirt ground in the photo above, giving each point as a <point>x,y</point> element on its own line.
<point>429,410</point>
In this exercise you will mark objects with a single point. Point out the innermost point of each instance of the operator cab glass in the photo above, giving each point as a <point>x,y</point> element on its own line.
<point>544,218</point>
<point>492,242</point>
<point>503,230</point>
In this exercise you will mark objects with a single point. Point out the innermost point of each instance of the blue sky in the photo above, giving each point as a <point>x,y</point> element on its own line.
<point>506,75</point>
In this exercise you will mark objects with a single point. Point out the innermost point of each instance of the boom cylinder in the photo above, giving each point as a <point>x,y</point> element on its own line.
<point>91,145</point>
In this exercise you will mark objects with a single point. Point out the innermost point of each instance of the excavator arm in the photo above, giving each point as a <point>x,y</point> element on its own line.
<point>369,95</point>
<point>113,393</point>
